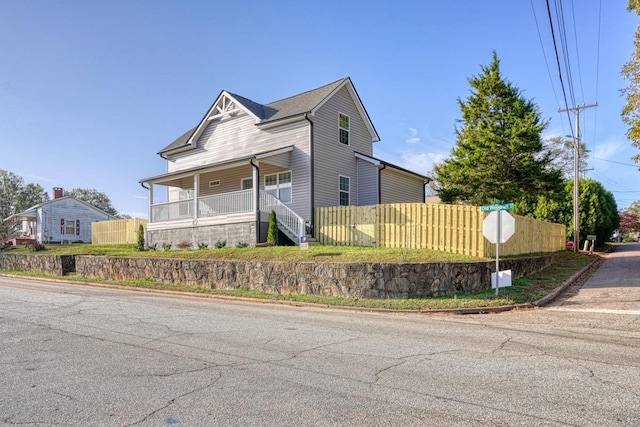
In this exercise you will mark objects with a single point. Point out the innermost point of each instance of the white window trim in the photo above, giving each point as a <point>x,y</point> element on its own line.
<point>340,190</point>
<point>347,129</point>
<point>69,224</point>
<point>243,180</point>
<point>288,184</point>
<point>214,183</point>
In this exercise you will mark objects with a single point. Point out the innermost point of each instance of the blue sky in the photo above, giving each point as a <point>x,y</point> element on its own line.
<point>91,90</point>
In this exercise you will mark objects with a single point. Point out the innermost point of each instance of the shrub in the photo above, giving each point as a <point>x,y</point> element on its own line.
<point>202,246</point>
<point>242,245</point>
<point>221,244</point>
<point>36,247</point>
<point>166,246</point>
<point>152,247</point>
<point>140,245</point>
<point>183,245</point>
<point>272,233</point>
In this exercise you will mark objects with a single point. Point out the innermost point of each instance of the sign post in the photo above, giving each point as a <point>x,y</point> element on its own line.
<point>498,227</point>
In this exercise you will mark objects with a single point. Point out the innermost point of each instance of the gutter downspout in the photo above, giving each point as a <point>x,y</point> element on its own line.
<point>256,199</point>
<point>311,172</point>
<point>384,166</point>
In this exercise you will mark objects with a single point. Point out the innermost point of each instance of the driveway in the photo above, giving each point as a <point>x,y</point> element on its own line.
<point>614,287</point>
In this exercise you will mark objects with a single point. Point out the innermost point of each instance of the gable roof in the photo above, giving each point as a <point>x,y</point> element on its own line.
<point>288,108</point>
<point>31,212</point>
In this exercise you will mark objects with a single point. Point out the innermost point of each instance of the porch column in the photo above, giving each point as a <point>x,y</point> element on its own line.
<point>196,191</point>
<point>256,195</point>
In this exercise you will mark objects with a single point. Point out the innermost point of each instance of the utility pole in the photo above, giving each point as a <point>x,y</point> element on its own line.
<point>576,171</point>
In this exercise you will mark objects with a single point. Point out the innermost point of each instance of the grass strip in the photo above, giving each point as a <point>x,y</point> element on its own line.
<point>523,290</point>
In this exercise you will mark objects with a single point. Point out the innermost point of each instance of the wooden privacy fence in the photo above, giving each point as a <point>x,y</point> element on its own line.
<point>117,231</point>
<point>450,228</point>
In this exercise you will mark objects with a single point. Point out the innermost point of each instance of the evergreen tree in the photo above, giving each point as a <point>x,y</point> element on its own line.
<point>272,231</point>
<point>498,153</point>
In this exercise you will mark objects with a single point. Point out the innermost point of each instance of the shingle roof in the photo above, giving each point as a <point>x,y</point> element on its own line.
<point>288,107</point>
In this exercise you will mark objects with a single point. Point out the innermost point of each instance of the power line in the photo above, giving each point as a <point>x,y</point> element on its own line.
<point>612,161</point>
<point>575,38</point>
<point>595,115</point>
<point>555,48</point>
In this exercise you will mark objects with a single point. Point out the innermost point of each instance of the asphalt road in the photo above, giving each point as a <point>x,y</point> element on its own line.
<point>613,288</point>
<point>85,356</point>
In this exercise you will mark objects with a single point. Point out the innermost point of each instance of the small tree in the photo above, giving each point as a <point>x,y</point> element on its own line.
<point>272,233</point>
<point>140,246</point>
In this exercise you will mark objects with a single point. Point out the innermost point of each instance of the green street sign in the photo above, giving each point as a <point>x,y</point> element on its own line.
<point>497,207</point>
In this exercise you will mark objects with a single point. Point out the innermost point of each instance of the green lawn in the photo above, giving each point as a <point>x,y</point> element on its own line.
<point>272,253</point>
<point>524,290</point>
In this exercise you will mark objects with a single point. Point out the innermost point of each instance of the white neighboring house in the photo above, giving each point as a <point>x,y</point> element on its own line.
<point>244,159</point>
<point>62,219</point>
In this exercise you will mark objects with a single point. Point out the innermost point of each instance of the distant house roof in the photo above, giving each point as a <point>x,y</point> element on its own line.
<point>293,106</point>
<point>31,213</point>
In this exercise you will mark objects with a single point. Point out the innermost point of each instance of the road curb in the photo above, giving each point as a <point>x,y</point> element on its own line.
<point>550,297</point>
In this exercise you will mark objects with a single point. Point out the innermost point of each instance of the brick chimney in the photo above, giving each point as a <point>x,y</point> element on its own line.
<point>57,192</point>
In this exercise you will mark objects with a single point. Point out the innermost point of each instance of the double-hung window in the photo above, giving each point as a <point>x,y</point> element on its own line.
<point>279,184</point>
<point>343,125</point>
<point>69,226</point>
<point>344,190</point>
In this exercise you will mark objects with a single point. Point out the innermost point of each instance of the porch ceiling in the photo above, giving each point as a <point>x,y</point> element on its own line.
<point>174,179</point>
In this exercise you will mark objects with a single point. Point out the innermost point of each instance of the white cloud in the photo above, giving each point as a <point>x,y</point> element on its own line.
<point>421,163</point>
<point>609,149</point>
<point>413,137</point>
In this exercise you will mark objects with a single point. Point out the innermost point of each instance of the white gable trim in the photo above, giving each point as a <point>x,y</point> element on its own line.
<point>220,109</point>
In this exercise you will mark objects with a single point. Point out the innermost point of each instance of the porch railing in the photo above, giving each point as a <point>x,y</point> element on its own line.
<point>172,211</point>
<point>287,218</point>
<point>227,203</point>
<point>230,203</point>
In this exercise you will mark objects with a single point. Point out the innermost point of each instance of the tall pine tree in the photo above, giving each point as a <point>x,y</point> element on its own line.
<point>498,153</point>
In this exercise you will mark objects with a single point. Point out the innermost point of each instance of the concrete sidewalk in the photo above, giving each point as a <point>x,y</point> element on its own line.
<point>614,288</point>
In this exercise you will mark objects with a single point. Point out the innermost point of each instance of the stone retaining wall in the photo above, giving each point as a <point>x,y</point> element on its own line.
<point>50,264</point>
<point>360,280</point>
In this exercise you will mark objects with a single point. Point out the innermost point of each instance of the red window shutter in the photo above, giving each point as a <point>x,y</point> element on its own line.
<point>77,227</point>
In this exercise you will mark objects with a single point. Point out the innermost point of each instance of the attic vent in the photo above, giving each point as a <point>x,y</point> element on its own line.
<point>214,183</point>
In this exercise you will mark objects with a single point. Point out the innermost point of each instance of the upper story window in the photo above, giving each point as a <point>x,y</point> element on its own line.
<point>345,190</point>
<point>279,184</point>
<point>343,124</point>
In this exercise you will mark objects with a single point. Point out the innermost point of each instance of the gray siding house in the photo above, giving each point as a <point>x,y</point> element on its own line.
<point>245,159</point>
<point>61,219</point>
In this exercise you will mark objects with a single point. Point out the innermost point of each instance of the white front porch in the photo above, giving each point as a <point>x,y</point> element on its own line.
<point>222,209</point>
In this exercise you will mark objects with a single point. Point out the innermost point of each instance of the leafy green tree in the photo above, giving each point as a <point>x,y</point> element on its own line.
<point>597,206</point>
<point>631,71</point>
<point>16,197</point>
<point>95,198</point>
<point>499,152</point>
